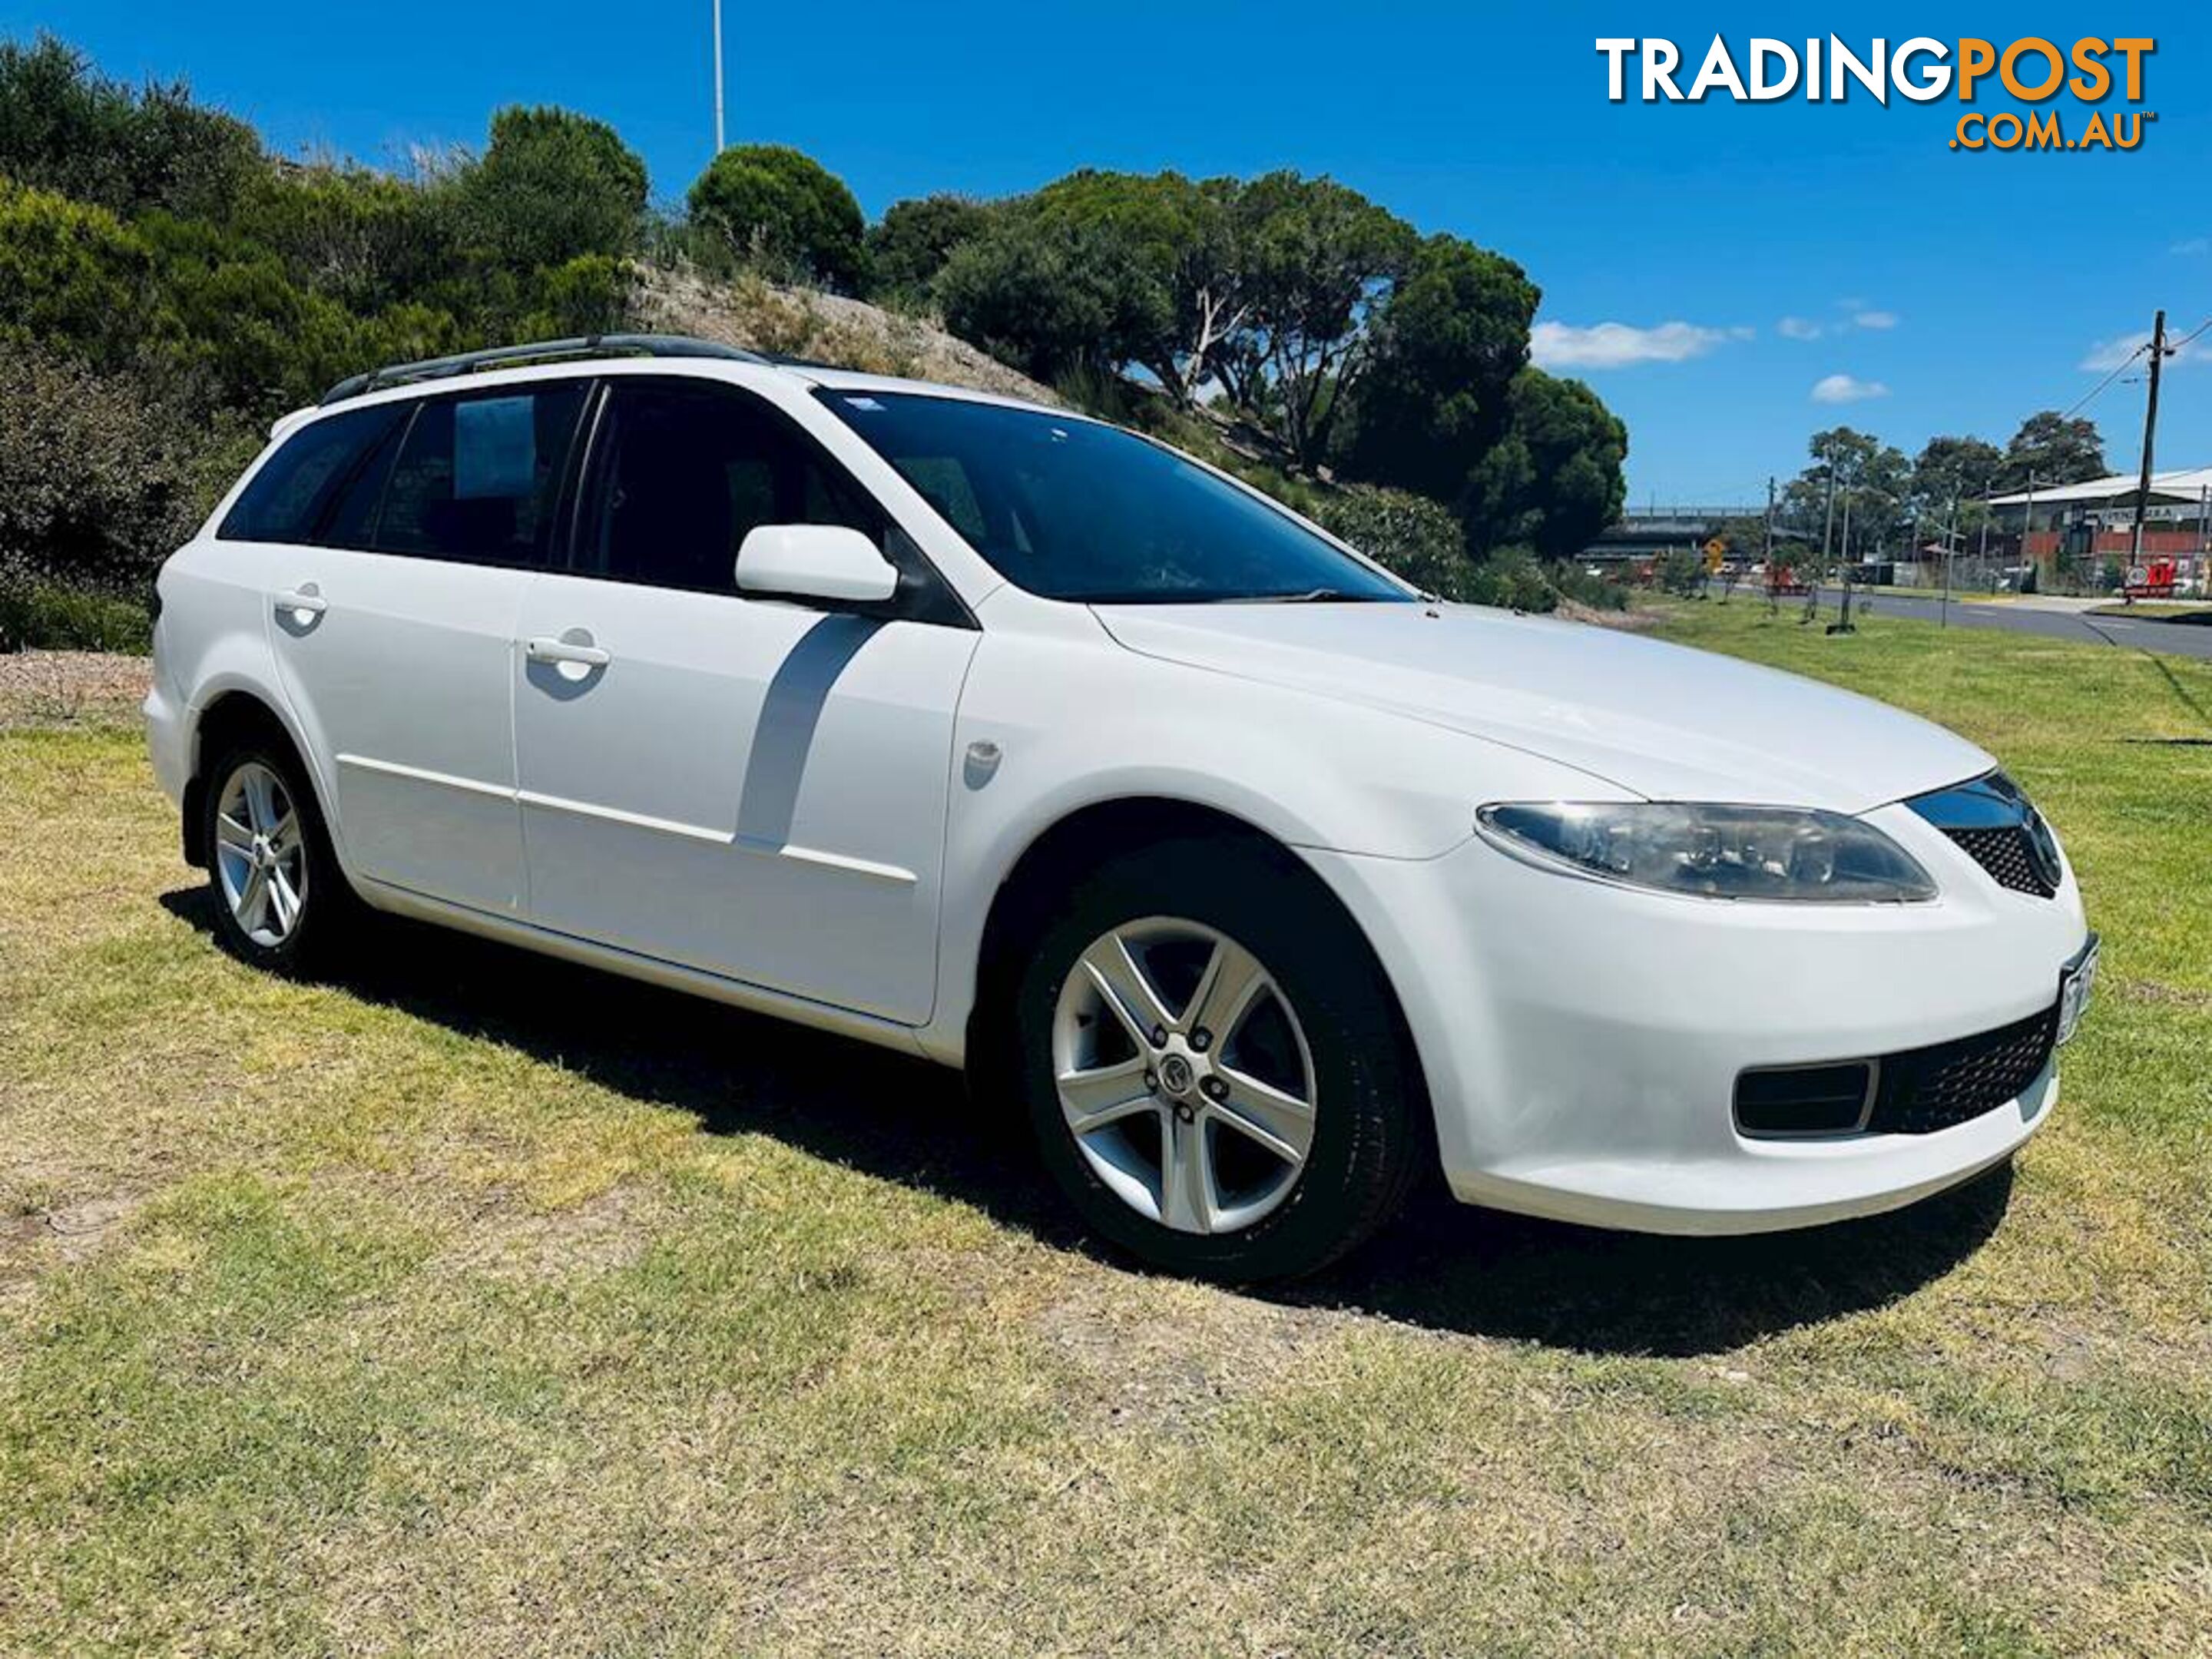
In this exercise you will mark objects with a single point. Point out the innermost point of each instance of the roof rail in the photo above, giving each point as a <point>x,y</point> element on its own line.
<point>586,345</point>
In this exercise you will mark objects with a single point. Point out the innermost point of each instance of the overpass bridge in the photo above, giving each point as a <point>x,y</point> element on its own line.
<point>1639,532</point>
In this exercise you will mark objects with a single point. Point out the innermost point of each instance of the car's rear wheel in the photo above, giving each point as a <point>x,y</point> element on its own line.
<point>280,898</point>
<point>1213,1065</point>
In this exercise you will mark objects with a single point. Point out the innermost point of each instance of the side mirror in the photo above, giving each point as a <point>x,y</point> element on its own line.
<point>814,561</point>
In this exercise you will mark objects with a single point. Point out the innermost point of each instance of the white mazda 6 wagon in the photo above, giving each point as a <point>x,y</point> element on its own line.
<point>1004,737</point>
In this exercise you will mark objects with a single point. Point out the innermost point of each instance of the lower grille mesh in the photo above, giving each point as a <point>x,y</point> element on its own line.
<point>1924,1089</point>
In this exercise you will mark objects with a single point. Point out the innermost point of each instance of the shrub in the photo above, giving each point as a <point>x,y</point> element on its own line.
<point>910,245</point>
<point>37,615</point>
<point>64,127</point>
<point>779,209</point>
<point>100,480</point>
<point>1052,298</point>
<point>1415,537</point>
<point>72,277</point>
<point>1514,578</point>
<point>553,187</point>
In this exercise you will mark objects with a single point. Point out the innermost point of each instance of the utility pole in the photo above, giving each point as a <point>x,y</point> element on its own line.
<point>2204,540</point>
<point>1842,622</point>
<point>1767,552</point>
<point>1950,535</point>
<point>718,78</point>
<point>1828,524</point>
<point>2150,434</point>
<point>1982,558</point>
<point>2027,530</point>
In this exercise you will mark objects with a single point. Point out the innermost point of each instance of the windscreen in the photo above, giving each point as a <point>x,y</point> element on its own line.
<point>1071,509</point>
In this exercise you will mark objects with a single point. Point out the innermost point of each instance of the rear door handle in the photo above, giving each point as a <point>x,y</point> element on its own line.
<point>304,601</point>
<point>545,649</point>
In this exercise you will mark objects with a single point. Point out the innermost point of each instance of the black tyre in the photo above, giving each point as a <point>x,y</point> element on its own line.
<point>281,901</point>
<point>1214,1065</point>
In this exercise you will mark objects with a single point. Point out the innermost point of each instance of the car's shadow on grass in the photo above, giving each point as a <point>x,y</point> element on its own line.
<point>1443,1266</point>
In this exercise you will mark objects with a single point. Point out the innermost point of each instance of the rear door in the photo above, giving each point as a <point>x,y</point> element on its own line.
<point>753,787</point>
<point>395,634</point>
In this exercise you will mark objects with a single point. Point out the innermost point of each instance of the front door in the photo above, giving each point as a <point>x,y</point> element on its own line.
<point>751,786</point>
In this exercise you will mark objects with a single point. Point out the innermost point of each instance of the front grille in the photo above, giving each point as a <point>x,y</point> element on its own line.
<point>1947,1083</point>
<point>2009,857</point>
<point>1997,828</point>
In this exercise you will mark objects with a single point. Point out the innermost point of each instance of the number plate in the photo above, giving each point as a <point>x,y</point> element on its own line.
<point>2075,982</point>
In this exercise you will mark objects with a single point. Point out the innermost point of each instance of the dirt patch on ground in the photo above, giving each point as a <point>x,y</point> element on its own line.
<point>2168,996</point>
<point>1169,1360</point>
<point>63,688</point>
<point>601,1234</point>
<point>67,1233</point>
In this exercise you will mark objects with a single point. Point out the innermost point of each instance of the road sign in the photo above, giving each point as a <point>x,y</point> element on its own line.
<point>1716,551</point>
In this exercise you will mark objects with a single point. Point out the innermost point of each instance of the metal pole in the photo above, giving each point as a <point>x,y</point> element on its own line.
<point>2027,528</point>
<point>1982,557</point>
<point>2204,539</point>
<point>718,78</point>
<point>1950,536</point>
<point>2150,436</point>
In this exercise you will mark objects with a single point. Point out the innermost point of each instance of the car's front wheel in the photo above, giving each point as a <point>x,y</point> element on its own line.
<point>1213,1064</point>
<point>280,897</point>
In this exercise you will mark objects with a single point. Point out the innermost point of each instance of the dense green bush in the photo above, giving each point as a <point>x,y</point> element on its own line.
<point>779,209</point>
<point>1416,537</point>
<point>1514,578</point>
<point>98,482</point>
<point>66,129</point>
<point>554,186</point>
<point>72,274</point>
<point>910,245</point>
<point>1051,297</point>
<point>36,613</point>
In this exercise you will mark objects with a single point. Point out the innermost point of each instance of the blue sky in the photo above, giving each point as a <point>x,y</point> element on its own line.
<point>1793,243</point>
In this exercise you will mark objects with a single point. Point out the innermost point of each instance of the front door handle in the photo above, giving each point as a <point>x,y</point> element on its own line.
<point>567,649</point>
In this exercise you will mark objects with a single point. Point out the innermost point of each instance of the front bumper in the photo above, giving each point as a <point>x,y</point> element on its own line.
<point>1581,1042</point>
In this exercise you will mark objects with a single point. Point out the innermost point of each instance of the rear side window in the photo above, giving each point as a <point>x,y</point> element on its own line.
<point>475,479</point>
<point>287,499</point>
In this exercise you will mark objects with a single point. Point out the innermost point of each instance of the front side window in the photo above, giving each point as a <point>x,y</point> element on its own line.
<point>288,498</point>
<point>686,472</point>
<point>1071,509</point>
<point>476,477</point>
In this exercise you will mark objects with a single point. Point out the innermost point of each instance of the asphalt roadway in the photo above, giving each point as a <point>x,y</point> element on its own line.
<point>2170,639</point>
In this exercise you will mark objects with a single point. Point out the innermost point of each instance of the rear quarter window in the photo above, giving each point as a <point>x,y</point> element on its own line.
<point>286,500</point>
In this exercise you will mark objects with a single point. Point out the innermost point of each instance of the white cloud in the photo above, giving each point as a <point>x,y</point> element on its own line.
<point>2191,245</point>
<point>1846,389</point>
<point>2106,355</point>
<point>1856,313</point>
<point>1618,345</point>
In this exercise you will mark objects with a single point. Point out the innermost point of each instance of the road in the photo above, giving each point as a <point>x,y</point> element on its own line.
<point>2165,638</point>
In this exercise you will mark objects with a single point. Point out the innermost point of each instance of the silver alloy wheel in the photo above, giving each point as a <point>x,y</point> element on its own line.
<point>260,854</point>
<point>1183,1075</point>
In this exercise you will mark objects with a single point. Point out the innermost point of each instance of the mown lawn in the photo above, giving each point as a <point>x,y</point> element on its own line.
<point>477,1305</point>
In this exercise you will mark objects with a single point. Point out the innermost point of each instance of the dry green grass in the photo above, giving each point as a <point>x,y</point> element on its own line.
<point>477,1305</point>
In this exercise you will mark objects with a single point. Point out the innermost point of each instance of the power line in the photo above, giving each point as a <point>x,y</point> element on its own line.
<point>2176,345</point>
<point>2119,369</point>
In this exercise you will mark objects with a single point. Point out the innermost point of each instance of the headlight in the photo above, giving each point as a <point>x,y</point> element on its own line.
<point>1714,851</point>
